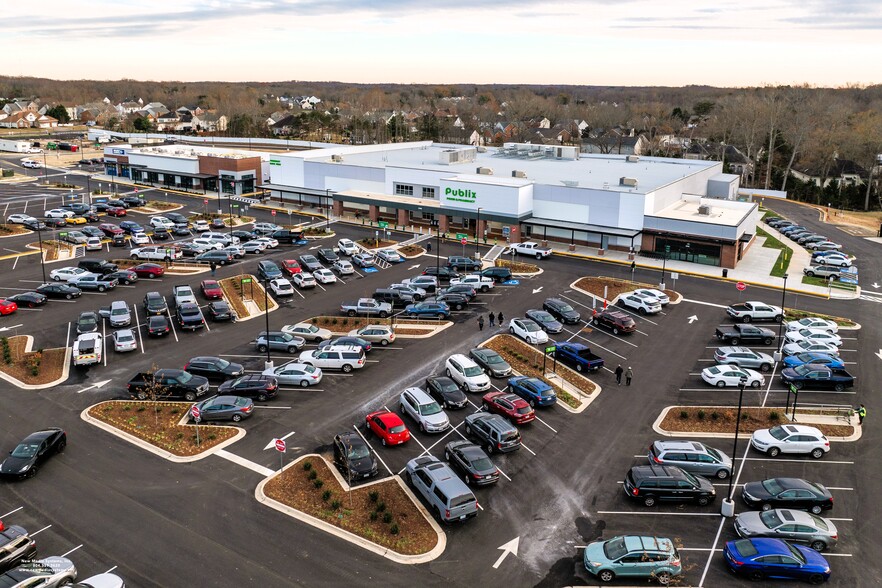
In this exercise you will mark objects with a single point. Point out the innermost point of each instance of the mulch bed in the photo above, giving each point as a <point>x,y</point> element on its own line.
<point>296,489</point>
<point>161,429</point>
<point>794,314</point>
<point>528,361</point>
<point>6,230</point>
<point>411,250</point>
<point>346,324</point>
<point>615,287</point>
<point>50,362</point>
<point>518,267</point>
<point>722,420</point>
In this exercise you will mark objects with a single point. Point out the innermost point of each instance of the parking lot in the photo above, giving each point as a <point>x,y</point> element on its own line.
<point>104,500</point>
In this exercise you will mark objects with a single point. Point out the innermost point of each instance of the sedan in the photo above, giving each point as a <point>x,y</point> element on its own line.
<point>388,427</point>
<point>471,461</point>
<point>815,336</point>
<point>830,361</point>
<point>810,346</point>
<point>446,392</point>
<point>214,368</point>
<point>813,323</point>
<point>29,455</point>
<point>211,289</point>
<point>158,326</point>
<point>722,376</point>
<point>427,309</point>
<point>124,340</point>
<point>325,276</point>
<point>787,493</point>
<point>58,213</point>
<point>28,299</point>
<point>59,291</point>
<point>66,274</point>
<point>389,256</point>
<point>343,267</point>
<point>224,408</point>
<point>548,323</point>
<point>528,330</point>
<point>762,558</point>
<point>511,406</point>
<point>7,306</point>
<point>291,267</point>
<point>148,270</point>
<point>295,374</point>
<point>793,525</point>
<point>533,390</point>
<point>310,263</point>
<point>363,260</point>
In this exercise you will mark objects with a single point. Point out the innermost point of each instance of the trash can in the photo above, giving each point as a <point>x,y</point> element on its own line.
<point>725,273</point>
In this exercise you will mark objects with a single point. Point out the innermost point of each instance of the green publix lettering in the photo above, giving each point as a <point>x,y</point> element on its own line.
<point>459,193</point>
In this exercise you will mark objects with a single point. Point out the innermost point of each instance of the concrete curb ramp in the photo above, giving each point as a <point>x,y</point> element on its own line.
<point>351,537</point>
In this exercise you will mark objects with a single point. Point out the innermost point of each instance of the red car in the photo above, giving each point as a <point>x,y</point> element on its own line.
<point>291,267</point>
<point>116,211</point>
<point>212,290</point>
<point>511,406</point>
<point>111,229</point>
<point>388,426</point>
<point>7,307</point>
<point>148,270</point>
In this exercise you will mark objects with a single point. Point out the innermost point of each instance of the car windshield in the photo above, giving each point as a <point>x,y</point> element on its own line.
<point>26,450</point>
<point>778,433</point>
<point>773,487</point>
<point>185,377</point>
<point>473,371</point>
<point>770,519</point>
<point>358,451</point>
<point>615,548</point>
<point>429,409</point>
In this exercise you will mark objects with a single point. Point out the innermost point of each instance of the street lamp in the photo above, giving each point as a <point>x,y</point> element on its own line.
<point>728,508</point>
<point>777,356</point>
<point>477,230</point>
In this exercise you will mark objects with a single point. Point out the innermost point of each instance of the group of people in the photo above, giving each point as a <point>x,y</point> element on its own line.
<point>492,319</point>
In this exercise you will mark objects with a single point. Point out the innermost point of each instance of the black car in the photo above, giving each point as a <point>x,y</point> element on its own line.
<point>492,363</point>
<point>356,341</point>
<point>443,273</point>
<point>157,326</point>
<point>189,316</point>
<point>353,457</point>
<point>28,299</point>
<point>446,392</point>
<point>218,257</point>
<point>56,223</point>
<point>255,386</point>
<point>214,368</point>
<point>309,263</point>
<point>463,289</point>
<point>87,322</point>
<point>32,452</point>
<point>453,300</point>
<point>652,484</point>
<point>244,236</point>
<point>219,310</point>
<point>154,303</point>
<point>133,200</point>
<point>470,460</point>
<point>787,493</point>
<point>34,225</point>
<point>59,291</point>
<point>327,254</point>
<point>545,320</point>
<point>499,274</point>
<point>561,311</point>
<point>161,234</point>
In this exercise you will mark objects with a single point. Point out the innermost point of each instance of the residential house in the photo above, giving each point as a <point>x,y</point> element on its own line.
<point>844,171</point>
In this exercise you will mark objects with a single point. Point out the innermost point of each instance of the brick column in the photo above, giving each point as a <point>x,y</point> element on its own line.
<point>443,223</point>
<point>338,208</point>
<point>374,213</point>
<point>403,217</point>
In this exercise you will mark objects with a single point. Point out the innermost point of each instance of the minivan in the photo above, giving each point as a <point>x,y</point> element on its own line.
<point>339,357</point>
<point>693,457</point>
<point>445,493</point>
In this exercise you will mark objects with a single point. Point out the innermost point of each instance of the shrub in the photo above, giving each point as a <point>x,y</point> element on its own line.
<point>774,416</point>
<point>373,495</point>
<point>684,415</point>
<point>335,504</point>
<point>307,466</point>
<point>318,484</point>
<point>387,517</point>
<point>381,506</point>
<point>326,495</point>
<point>700,415</point>
<point>312,475</point>
<point>373,516</point>
<point>394,529</point>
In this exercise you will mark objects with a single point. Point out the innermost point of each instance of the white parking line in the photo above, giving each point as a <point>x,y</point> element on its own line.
<point>372,449</point>
<point>72,550</point>
<point>3,516</point>
<point>40,531</point>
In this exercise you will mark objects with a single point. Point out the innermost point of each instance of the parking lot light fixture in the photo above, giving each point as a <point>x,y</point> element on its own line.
<point>778,353</point>
<point>728,508</point>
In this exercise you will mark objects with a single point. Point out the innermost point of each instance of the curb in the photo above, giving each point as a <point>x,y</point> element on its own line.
<point>656,426</point>
<point>65,370</point>
<point>345,535</point>
<point>152,448</point>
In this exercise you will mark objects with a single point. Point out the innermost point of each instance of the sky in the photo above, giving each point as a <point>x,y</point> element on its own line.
<point>590,42</point>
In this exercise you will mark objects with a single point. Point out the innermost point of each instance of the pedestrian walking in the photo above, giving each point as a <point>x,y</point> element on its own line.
<point>480,323</point>
<point>500,319</point>
<point>213,267</point>
<point>619,372</point>
<point>492,320</point>
<point>861,412</point>
<point>628,375</point>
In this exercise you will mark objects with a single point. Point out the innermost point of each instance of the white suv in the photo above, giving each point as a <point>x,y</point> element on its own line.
<point>466,373</point>
<point>424,410</point>
<point>790,439</point>
<point>641,302</point>
<point>338,357</point>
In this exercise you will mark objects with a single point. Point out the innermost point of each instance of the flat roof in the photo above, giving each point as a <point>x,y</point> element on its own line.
<point>722,212</point>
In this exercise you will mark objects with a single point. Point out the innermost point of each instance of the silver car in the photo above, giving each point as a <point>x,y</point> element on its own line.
<point>793,525</point>
<point>744,357</point>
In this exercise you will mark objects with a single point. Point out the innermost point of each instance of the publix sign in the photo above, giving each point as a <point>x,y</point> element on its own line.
<point>460,195</point>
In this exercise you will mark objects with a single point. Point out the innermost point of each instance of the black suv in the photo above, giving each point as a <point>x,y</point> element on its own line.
<point>499,274</point>
<point>653,483</point>
<point>561,311</point>
<point>616,321</point>
<point>353,457</point>
<point>443,273</point>
<point>98,266</point>
<point>189,316</point>
<point>255,386</point>
<point>466,263</point>
<point>154,303</point>
<point>286,236</point>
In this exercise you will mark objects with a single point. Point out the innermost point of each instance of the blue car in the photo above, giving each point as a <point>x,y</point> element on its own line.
<point>533,390</point>
<point>831,361</point>
<point>430,309</point>
<point>759,559</point>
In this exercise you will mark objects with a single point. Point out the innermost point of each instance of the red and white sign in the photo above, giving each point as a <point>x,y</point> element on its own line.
<point>280,445</point>
<point>197,414</point>
<point>273,212</point>
<point>464,241</point>
<point>741,286</point>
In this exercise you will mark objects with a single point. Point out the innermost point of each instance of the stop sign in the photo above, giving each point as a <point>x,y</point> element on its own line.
<point>741,286</point>
<point>273,212</point>
<point>197,414</point>
<point>463,241</point>
<point>280,445</point>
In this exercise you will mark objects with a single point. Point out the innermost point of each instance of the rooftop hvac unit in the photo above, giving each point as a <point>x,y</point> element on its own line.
<point>484,171</point>
<point>704,210</point>
<point>516,173</point>
<point>337,158</point>
<point>631,182</point>
<point>632,158</point>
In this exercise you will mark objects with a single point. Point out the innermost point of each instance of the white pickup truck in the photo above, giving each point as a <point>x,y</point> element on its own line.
<point>531,248</point>
<point>87,349</point>
<point>156,253</point>
<point>477,281</point>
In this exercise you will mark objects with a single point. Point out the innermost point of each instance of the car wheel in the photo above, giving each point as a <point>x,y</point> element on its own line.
<point>237,418</point>
<point>721,384</point>
<point>347,368</point>
<point>649,501</point>
<point>190,396</point>
<point>664,578</point>
<point>261,348</point>
<point>755,384</point>
<point>756,576</point>
<point>745,319</point>
<point>773,452</point>
<point>606,576</point>
<point>703,501</point>
<point>304,383</point>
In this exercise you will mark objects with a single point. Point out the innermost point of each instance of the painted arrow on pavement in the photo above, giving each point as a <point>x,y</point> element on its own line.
<point>510,547</point>
<point>95,385</point>
<point>537,290</point>
<point>272,442</point>
<point>692,319</point>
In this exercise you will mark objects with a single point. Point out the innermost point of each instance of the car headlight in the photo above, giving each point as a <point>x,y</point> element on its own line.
<point>24,468</point>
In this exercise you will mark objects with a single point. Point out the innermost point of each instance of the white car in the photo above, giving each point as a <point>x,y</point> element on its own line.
<point>389,255</point>
<point>642,303</point>
<point>18,218</point>
<point>807,345</point>
<point>201,226</point>
<point>347,247</point>
<point>790,439</point>
<point>140,239</point>
<point>268,242</point>
<point>325,276</point>
<point>466,373</point>
<point>824,245</point>
<point>723,376</point>
<point>813,323</point>
<point>477,281</point>
<point>528,330</point>
<point>161,221</point>
<point>124,340</point>
<point>30,163</point>
<point>208,244</point>
<point>343,267</point>
<point>304,280</point>
<point>281,287</point>
<point>653,293</point>
<point>65,274</point>
<point>813,335</point>
<point>58,213</point>
<point>308,331</point>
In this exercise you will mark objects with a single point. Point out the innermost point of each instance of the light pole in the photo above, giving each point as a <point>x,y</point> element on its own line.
<point>781,324</point>
<point>477,231</point>
<point>728,508</point>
